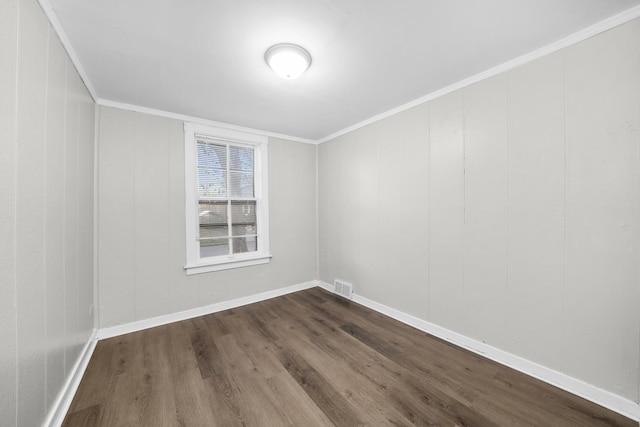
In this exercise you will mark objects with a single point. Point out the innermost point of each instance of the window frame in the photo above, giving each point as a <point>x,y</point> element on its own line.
<point>194,263</point>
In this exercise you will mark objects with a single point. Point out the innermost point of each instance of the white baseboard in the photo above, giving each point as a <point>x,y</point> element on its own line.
<point>326,286</point>
<point>140,325</point>
<point>61,405</point>
<point>565,382</point>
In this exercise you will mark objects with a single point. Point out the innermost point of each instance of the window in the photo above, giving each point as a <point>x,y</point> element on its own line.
<point>226,195</point>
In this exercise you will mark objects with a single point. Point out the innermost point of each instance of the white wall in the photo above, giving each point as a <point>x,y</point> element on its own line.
<point>507,211</point>
<point>142,222</point>
<point>46,214</point>
<point>519,200</point>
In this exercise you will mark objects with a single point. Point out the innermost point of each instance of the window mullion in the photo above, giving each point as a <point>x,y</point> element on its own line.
<point>197,198</point>
<point>229,212</point>
<point>256,194</point>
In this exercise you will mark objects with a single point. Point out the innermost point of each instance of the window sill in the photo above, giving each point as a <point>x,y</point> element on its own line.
<point>226,265</point>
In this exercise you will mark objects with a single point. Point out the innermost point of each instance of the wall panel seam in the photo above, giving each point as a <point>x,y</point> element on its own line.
<point>508,210</point>
<point>317,212</point>
<point>428,117</point>
<point>563,334</point>
<point>65,210</point>
<point>462,320</point>
<point>133,219</point>
<point>638,235</point>
<point>96,217</point>
<point>15,212</point>
<point>44,222</point>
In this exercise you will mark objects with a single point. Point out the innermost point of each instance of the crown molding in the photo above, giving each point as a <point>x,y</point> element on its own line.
<point>198,120</point>
<point>66,44</point>
<point>570,40</point>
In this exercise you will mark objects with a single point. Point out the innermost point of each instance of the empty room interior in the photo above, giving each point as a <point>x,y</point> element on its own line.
<point>320,212</point>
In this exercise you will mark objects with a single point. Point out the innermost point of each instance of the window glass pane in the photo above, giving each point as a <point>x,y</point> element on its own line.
<point>216,247</point>
<point>212,183</point>
<point>212,218</point>
<point>241,159</point>
<point>212,170</point>
<point>241,172</point>
<point>243,217</point>
<point>212,155</point>
<point>241,184</point>
<point>244,244</point>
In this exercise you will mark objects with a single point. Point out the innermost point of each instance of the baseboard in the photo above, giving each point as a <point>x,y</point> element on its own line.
<point>140,325</point>
<point>62,403</point>
<point>565,382</point>
<point>326,286</point>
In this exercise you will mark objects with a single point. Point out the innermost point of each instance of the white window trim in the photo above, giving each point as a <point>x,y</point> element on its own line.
<point>195,264</point>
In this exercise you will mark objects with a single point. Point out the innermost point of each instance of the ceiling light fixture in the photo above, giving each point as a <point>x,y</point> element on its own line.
<point>287,60</point>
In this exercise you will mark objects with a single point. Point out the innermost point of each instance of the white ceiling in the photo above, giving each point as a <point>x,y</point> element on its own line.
<point>205,58</point>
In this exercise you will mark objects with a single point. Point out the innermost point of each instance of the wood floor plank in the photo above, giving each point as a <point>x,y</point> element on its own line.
<point>381,377</point>
<point>215,374</point>
<point>131,389</point>
<point>256,398</point>
<point>160,409</point>
<point>299,407</point>
<point>310,359</point>
<point>260,349</point>
<point>194,405</point>
<point>319,390</point>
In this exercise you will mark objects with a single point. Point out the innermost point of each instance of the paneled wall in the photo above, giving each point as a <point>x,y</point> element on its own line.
<point>46,214</point>
<point>507,211</point>
<point>142,222</point>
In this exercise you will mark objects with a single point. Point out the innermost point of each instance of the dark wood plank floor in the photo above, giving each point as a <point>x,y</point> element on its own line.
<point>310,359</point>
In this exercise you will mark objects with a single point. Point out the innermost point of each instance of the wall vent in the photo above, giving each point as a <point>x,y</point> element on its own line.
<point>343,288</point>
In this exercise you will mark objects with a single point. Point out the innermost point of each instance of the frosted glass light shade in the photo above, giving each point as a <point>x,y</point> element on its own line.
<point>288,60</point>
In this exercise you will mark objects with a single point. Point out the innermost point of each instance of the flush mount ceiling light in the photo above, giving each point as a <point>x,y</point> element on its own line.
<point>287,60</point>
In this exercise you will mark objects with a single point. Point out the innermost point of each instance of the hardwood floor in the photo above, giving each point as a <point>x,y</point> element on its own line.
<point>310,359</point>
